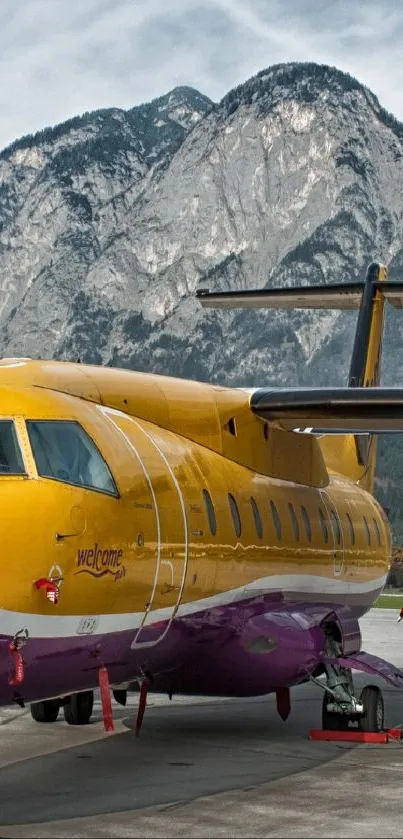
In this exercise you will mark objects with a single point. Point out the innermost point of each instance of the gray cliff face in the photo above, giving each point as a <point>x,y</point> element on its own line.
<point>64,194</point>
<point>110,222</point>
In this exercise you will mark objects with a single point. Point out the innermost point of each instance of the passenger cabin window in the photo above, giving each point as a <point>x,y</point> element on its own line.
<point>323,526</point>
<point>64,451</point>
<point>294,521</point>
<point>378,532</point>
<point>235,515</point>
<point>307,523</point>
<point>351,529</point>
<point>336,527</point>
<point>367,531</point>
<point>276,519</point>
<point>11,462</point>
<point>210,512</point>
<point>257,518</point>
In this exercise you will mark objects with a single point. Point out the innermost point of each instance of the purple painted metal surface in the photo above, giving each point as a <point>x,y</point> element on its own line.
<point>349,630</point>
<point>241,649</point>
<point>372,664</point>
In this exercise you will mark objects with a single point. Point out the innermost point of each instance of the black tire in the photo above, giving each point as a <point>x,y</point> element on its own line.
<point>47,711</point>
<point>78,708</point>
<point>332,721</point>
<point>120,696</point>
<point>374,713</point>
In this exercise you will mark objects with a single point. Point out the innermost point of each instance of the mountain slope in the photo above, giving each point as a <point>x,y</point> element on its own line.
<point>111,221</point>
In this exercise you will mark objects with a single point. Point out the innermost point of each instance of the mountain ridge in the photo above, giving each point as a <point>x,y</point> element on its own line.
<point>109,225</point>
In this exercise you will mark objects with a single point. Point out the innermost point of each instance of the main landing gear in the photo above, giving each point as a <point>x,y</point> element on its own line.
<point>45,711</point>
<point>77,708</point>
<point>340,706</point>
<point>337,716</point>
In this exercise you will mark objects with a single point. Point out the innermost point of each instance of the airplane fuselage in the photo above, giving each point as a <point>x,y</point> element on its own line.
<point>171,562</point>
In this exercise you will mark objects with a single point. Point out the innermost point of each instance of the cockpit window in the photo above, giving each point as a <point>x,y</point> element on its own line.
<point>11,462</point>
<point>64,451</point>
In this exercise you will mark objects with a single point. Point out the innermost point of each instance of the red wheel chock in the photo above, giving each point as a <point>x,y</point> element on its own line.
<point>389,735</point>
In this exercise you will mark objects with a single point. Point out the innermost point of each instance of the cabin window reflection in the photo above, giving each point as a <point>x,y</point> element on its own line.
<point>65,452</point>
<point>367,531</point>
<point>307,523</point>
<point>351,529</point>
<point>210,512</point>
<point>378,532</point>
<point>276,519</point>
<point>323,523</point>
<point>11,462</point>
<point>257,518</point>
<point>294,521</point>
<point>336,527</point>
<point>235,515</point>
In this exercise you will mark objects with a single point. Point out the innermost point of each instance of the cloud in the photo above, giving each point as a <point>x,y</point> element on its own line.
<point>59,58</point>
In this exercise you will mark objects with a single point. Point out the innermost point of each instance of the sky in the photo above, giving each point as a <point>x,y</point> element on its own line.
<point>59,58</point>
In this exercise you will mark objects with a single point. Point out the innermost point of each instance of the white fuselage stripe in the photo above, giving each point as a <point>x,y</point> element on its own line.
<point>67,626</point>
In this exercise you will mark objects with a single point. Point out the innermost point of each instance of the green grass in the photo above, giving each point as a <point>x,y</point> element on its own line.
<point>390,601</point>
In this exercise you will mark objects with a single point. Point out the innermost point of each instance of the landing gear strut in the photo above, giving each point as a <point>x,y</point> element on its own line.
<point>340,706</point>
<point>332,721</point>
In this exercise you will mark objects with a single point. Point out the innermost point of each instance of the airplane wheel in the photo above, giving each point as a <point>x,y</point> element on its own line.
<point>374,713</point>
<point>120,696</point>
<point>78,708</point>
<point>332,721</point>
<point>47,711</point>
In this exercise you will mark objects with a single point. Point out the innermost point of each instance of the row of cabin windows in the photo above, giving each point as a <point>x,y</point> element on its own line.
<point>336,522</point>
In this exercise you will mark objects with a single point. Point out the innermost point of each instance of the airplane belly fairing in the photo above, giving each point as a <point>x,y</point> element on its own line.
<point>241,648</point>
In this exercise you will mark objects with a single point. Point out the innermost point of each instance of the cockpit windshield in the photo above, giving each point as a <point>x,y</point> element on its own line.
<point>11,462</point>
<point>64,451</point>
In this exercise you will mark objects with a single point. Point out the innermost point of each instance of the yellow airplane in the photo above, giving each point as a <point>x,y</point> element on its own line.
<point>193,538</point>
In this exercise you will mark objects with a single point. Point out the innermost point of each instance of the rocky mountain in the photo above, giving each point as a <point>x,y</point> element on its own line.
<point>111,221</point>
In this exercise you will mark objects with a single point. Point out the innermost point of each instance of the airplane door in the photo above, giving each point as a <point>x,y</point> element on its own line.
<point>169,512</point>
<point>336,533</point>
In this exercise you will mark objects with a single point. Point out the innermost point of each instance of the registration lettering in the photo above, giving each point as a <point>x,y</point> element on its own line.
<point>88,625</point>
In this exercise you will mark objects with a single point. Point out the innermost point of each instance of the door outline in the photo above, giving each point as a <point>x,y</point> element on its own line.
<point>135,644</point>
<point>338,551</point>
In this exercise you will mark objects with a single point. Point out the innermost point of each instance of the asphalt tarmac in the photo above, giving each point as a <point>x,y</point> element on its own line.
<point>205,768</point>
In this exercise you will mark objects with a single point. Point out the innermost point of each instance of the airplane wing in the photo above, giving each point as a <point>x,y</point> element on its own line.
<point>344,410</point>
<point>332,296</point>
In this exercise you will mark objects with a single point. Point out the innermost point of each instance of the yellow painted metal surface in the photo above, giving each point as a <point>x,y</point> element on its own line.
<point>341,453</point>
<point>166,444</point>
